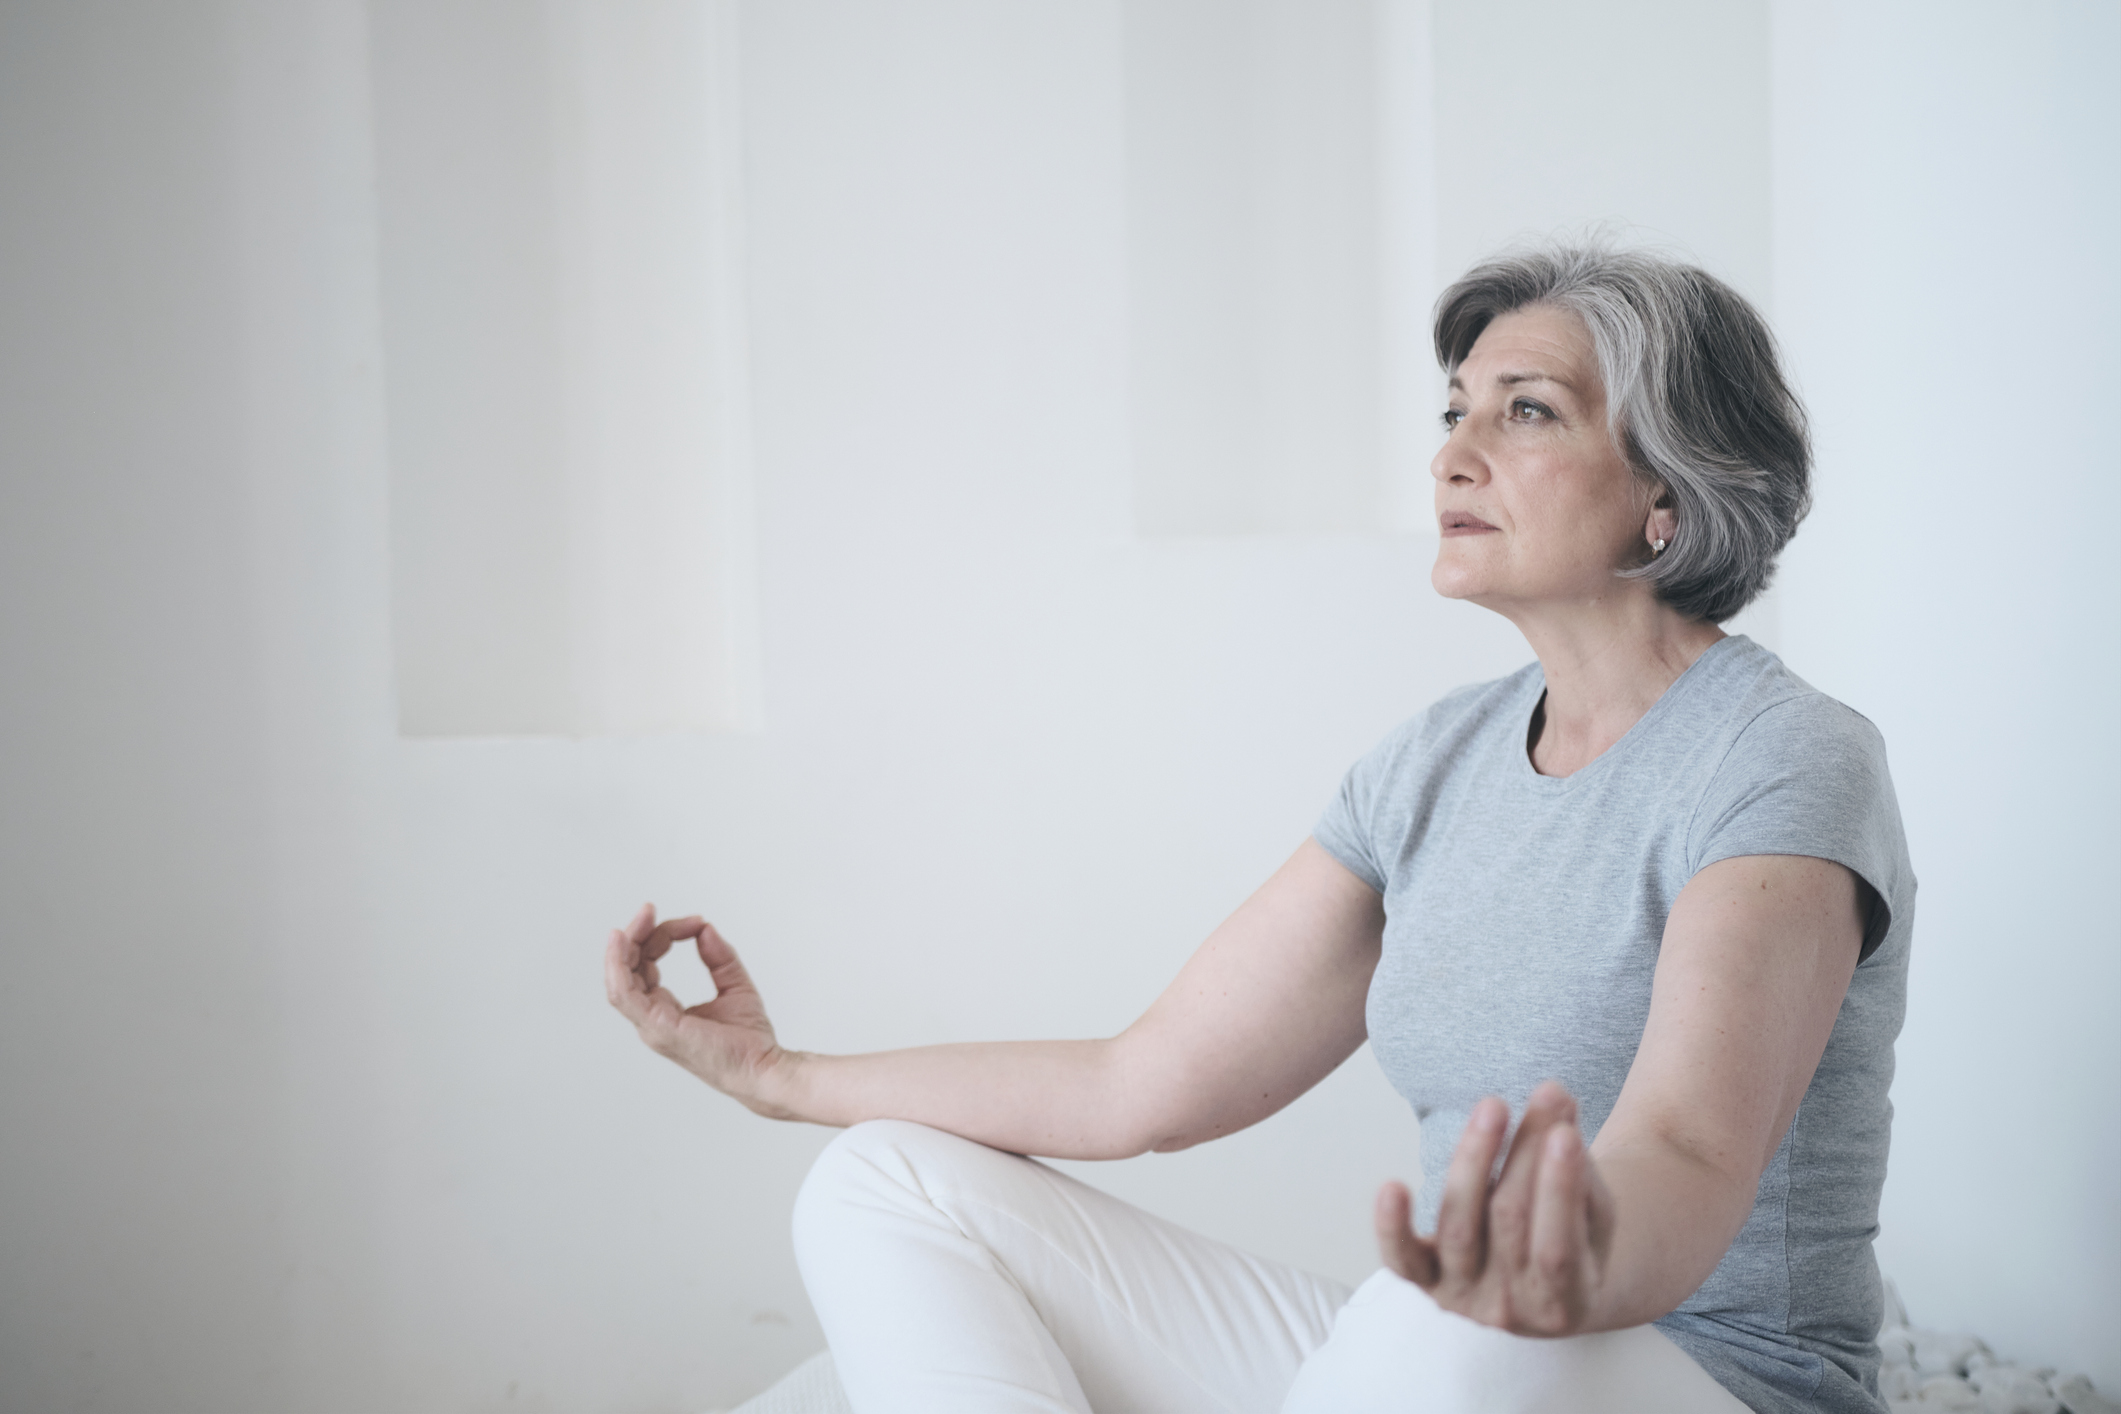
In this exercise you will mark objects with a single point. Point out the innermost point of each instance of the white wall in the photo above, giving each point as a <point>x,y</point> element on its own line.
<point>1645,117</point>
<point>310,1099</point>
<point>1948,206</point>
<point>143,1204</point>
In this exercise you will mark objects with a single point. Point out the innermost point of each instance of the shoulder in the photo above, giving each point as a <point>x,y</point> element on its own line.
<point>1800,773</point>
<point>1777,721</point>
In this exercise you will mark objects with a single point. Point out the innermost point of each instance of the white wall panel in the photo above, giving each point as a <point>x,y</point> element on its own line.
<point>1253,223</point>
<point>565,345</point>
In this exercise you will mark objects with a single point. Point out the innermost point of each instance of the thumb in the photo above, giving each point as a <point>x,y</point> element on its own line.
<point>1400,1248</point>
<point>723,965</point>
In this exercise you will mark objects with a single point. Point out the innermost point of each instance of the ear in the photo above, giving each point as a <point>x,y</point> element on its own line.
<point>1663,522</point>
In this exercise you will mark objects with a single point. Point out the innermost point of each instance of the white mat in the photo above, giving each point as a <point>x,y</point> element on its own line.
<point>812,1387</point>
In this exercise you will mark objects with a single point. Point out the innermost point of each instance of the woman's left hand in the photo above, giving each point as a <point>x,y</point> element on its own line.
<point>1525,1252</point>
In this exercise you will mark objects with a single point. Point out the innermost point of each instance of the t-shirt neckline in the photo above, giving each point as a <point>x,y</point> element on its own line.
<point>1644,724</point>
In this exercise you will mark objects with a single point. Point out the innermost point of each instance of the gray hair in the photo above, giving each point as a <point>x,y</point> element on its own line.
<point>1695,396</point>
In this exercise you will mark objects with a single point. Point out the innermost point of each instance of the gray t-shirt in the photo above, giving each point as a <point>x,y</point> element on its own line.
<point>1523,915</point>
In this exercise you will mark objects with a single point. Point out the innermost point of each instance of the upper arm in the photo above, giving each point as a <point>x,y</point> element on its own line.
<point>1264,1010</point>
<point>1757,955</point>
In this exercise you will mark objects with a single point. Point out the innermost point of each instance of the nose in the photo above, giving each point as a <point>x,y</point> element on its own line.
<point>1458,462</point>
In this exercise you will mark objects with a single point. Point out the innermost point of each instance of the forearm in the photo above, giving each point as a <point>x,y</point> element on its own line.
<point>1674,1216</point>
<point>1056,1099</point>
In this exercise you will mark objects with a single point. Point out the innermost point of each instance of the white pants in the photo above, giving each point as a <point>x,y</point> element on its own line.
<point>952,1278</point>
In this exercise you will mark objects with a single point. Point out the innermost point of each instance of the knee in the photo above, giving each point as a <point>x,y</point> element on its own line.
<point>850,1163</point>
<point>862,1144</point>
<point>877,1166</point>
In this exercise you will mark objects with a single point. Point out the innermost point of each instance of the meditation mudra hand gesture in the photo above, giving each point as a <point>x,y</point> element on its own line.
<point>726,1041</point>
<point>1522,1251</point>
<point>1654,867</point>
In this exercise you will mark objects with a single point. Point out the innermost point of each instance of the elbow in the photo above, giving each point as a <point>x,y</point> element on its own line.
<point>1163,1099</point>
<point>1113,1142</point>
<point>1178,1131</point>
<point>1135,1135</point>
<point>1146,1105</point>
<point>1132,1143</point>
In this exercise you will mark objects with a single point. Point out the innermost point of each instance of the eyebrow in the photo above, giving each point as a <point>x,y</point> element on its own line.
<point>1511,380</point>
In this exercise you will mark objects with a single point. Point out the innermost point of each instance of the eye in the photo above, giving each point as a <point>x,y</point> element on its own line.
<point>1452,417</point>
<point>1526,410</point>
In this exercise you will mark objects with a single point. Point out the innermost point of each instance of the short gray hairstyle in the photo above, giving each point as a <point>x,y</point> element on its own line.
<point>1695,396</point>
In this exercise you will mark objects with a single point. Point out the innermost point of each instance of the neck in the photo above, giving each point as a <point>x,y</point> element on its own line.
<point>1606,664</point>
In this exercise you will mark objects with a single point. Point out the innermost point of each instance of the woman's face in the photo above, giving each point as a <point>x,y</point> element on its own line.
<point>1536,505</point>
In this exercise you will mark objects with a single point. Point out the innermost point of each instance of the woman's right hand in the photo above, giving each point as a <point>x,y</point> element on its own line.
<point>727,1042</point>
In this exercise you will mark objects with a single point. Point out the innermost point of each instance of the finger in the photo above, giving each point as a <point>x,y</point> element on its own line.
<point>1548,1105</point>
<point>1558,1233</point>
<point>1461,1219</point>
<point>642,925</point>
<point>664,934</point>
<point>641,958</point>
<point>622,985</point>
<point>631,986</point>
<point>1398,1245</point>
<point>1510,1205</point>
<point>657,1015</point>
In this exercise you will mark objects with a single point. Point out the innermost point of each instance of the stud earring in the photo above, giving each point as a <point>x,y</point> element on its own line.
<point>1657,547</point>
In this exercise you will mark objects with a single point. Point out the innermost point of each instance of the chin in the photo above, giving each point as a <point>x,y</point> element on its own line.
<point>1455,581</point>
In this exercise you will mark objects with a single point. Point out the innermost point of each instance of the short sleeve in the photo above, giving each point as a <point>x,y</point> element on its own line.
<point>1349,828</point>
<point>1807,776</point>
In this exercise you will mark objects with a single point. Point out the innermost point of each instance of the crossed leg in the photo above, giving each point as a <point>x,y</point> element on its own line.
<point>955,1279</point>
<point>951,1277</point>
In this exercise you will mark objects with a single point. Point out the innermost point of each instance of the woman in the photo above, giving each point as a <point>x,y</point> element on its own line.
<point>1650,893</point>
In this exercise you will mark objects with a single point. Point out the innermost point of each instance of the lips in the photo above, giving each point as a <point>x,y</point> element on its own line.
<point>1462,523</point>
